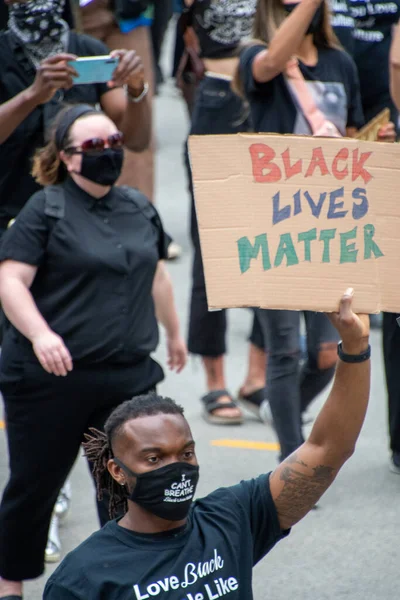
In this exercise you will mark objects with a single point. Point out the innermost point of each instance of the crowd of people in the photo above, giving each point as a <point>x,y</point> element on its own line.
<point>83,286</point>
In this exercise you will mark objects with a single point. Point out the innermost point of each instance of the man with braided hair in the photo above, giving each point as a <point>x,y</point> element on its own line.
<point>167,547</point>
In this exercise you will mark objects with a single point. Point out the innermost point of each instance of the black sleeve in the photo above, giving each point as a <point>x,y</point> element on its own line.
<point>255,498</point>
<point>355,115</point>
<point>53,591</point>
<point>164,240</point>
<point>250,85</point>
<point>26,240</point>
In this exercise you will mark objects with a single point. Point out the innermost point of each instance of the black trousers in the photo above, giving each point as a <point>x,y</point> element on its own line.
<point>217,110</point>
<point>391,357</point>
<point>163,11</point>
<point>46,418</point>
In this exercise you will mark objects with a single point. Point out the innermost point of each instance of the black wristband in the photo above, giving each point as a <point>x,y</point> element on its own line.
<point>353,358</point>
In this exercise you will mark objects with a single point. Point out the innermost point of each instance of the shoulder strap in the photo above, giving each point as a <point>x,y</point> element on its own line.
<point>315,117</point>
<point>141,201</point>
<point>54,203</point>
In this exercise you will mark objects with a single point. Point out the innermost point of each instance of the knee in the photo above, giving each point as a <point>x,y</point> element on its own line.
<point>327,356</point>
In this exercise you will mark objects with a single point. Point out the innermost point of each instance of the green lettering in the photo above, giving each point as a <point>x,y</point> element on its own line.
<point>348,252</point>
<point>307,237</point>
<point>286,248</point>
<point>371,247</point>
<point>326,236</point>
<point>247,252</point>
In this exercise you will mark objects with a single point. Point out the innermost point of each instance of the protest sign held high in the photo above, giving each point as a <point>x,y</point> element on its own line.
<point>290,221</point>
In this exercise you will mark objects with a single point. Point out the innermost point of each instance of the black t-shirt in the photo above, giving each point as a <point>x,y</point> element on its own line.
<point>343,23</point>
<point>96,267</point>
<point>221,26</point>
<point>333,83</point>
<point>227,533</point>
<point>16,74</point>
<point>374,20</point>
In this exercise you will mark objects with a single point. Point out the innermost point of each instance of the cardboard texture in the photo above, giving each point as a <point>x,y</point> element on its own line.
<point>369,133</point>
<point>290,222</point>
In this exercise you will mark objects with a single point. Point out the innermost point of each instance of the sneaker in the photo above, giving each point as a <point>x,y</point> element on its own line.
<point>174,251</point>
<point>53,549</point>
<point>63,503</point>
<point>395,463</point>
<point>266,413</point>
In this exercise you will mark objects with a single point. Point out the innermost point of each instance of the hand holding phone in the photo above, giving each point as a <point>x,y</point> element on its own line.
<point>94,69</point>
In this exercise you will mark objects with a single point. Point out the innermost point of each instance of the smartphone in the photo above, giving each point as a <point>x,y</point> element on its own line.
<point>94,69</point>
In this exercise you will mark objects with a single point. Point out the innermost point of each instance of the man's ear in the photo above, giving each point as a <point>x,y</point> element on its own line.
<point>116,472</point>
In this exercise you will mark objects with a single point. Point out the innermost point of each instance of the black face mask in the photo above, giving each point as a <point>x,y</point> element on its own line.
<point>166,492</point>
<point>103,167</point>
<point>316,22</point>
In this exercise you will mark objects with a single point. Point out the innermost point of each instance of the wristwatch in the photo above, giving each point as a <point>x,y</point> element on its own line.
<point>139,98</point>
<point>353,358</point>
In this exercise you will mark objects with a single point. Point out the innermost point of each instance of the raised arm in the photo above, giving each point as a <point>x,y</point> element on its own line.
<point>300,480</point>
<point>130,110</point>
<point>53,74</point>
<point>394,64</point>
<point>285,43</point>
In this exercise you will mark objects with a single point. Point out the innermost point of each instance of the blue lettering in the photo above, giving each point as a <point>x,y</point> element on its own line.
<point>279,214</point>
<point>360,210</point>
<point>334,212</point>
<point>315,208</point>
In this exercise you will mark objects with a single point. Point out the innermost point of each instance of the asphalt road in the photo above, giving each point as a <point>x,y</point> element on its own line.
<point>349,547</point>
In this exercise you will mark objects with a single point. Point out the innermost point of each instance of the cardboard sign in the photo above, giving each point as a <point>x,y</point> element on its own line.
<point>290,222</point>
<point>369,133</point>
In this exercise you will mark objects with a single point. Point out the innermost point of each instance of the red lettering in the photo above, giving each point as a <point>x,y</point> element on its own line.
<point>358,166</point>
<point>317,160</point>
<point>341,155</point>
<point>262,159</point>
<point>291,170</point>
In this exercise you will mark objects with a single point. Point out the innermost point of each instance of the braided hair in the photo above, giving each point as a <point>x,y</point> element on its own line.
<point>98,446</point>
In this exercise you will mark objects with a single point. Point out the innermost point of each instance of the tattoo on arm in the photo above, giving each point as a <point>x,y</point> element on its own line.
<point>301,490</point>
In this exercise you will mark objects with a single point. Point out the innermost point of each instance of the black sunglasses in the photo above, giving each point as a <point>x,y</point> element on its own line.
<point>116,140</point>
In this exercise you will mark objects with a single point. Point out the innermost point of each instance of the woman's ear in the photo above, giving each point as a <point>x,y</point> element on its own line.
<point>64,158</point>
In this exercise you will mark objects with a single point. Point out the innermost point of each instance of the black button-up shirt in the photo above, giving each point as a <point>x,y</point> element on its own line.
<point>16,74</point>
<point>96,267</point>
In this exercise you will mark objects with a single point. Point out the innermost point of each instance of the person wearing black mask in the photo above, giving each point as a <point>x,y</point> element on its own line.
<point>82,284</point>
<point>35,79</point>
<point>298,80</point>
<point>166,545</point>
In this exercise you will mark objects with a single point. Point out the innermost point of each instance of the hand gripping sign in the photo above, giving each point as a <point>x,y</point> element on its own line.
<point>289,222</point>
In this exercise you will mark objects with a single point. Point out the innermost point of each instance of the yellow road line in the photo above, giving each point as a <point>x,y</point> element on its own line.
<point>2,425</point>
<point>247,444</point>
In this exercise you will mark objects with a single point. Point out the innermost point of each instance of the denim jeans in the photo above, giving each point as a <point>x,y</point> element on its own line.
<point>289,391</point>
<point>217,110</point>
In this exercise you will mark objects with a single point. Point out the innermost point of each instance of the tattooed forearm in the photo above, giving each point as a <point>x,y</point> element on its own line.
<point>302,488</point>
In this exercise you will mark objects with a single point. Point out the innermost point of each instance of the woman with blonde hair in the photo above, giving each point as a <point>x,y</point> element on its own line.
<point>297,79</point>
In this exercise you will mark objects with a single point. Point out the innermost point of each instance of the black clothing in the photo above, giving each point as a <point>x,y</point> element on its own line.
<point>226,534</point>
<point>68,15</point>
<point>391,356</point>
<point>334,80</point>
<point>16,74</point>
<point>217,111</point>
<point>95,272</point>
<point>374,20</point>
<point>47,417</point>
<point>343,23</point>
<point>221,26</point>
<point>93,285</point>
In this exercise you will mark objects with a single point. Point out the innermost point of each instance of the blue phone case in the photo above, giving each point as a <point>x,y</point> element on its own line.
<point>94,69</point>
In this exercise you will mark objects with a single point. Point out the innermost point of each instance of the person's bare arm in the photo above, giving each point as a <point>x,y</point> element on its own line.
<point>20,308</point>
<point>53,74</point>
<point>163,296</point>
<point>300,480</point>
<point>132,118</point>
<point>394,63</point>
<point>285,43</point>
